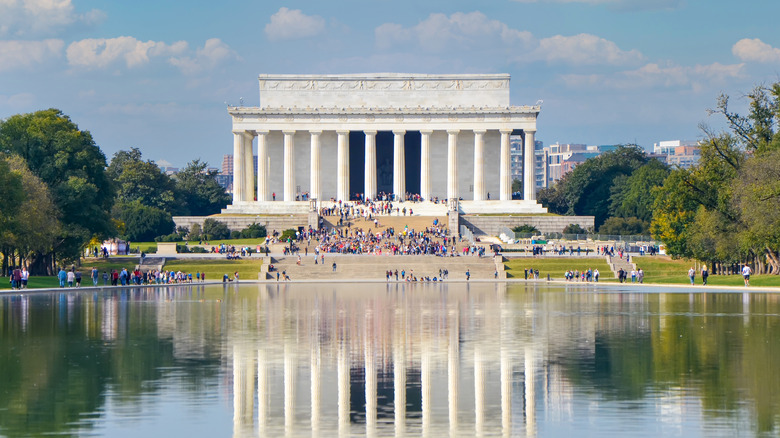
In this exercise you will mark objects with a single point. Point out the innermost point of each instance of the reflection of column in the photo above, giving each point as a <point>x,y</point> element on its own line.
<point>453,368</point>
<point>506,390</point>
<point>289,387</point>
<point>262,167</point>
<point>529,167</point>
<point>243,390</point>
<point>289,166</point>
<point>342,167</point>
<point>479,165</point>
<point>249,168</point>
<point>425,164</point>
<point>238,167</point>
<point>425,383</point>
<point>452,163</point>
<point>370,165</point>
<point>262,391</point>
<point>505,167</point>
<point>479,390</point>
<point>314,167</point>
<point>399,170</point>
<point>370,369</point>
<point>399,384</point>
<point>316,384</point>
<point>530,392</point>
<point>343,381</point>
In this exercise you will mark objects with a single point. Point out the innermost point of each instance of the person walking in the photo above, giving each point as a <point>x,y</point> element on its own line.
<point>334,266</point>
<point>468,274</point>
<point>692,275</point>
<point>704,275</point>
<point>62,276</point>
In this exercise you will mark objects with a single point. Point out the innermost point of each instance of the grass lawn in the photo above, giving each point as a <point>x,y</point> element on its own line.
<point>151,247</point>
<point>664,270</point>
<point>557,266</point>
<point>214,269</point>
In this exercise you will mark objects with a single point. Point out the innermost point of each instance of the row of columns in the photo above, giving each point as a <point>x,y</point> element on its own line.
<point>243,171</point>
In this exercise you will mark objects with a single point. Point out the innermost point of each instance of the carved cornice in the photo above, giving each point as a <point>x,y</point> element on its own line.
<point>478,112</point>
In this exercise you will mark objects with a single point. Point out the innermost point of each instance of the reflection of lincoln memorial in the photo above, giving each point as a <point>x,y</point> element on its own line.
<point>409,359</point>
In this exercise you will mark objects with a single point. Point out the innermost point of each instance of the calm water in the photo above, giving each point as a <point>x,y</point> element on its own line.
<point>379,360</point>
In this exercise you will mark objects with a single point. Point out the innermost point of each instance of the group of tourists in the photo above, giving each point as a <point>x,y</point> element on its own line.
<point>591,275</point>
<point>18,278</point>
<point>390,274</point>
<point>637,275</point>
<point>433,240</point>
<point>125,277</point>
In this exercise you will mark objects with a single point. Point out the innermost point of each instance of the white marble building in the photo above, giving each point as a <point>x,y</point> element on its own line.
<point>334,136</point>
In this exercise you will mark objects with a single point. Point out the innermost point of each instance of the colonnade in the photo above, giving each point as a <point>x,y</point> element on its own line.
<point>243,171</point>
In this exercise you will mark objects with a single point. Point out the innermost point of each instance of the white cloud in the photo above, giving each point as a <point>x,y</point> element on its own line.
<point>659,76</point>
<point>288,24</point>
<point>17,101</point>
<point>755,50</point>
<point>36,17</point>
<point>95,53</point>
<point>25,54</point>
<point>213,52</point>
<point>164,110</point>
<point>459,31</point>
<point>584,49</point>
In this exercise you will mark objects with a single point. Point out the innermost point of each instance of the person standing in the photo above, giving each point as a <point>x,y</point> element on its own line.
<point>77,274</point>
<point>94,276</point>
<point>468,274</point>
<point>692,275</point>
<point>71,277</point>
<point>704,275</point>
<point>596,275</point>
<point>746,271</point>
<point>62,276</point>
<point>25,277</point>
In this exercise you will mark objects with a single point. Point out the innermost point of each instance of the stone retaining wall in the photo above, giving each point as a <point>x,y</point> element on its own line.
<point>238,223</point>
<point>489,225</point>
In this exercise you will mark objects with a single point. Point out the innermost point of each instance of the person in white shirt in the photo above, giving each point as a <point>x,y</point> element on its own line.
<point>746,271</point>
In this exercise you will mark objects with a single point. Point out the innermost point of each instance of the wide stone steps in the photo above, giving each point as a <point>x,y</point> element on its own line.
<point>616,263</point>
<point>374,267</point>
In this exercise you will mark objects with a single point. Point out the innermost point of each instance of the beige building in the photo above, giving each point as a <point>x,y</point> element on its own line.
<point>343,137</point>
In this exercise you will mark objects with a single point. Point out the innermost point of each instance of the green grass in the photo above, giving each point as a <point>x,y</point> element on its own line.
<point>557,266</point>
<point>214,269</point>
<point>151,247</point>
<point>664,270</point>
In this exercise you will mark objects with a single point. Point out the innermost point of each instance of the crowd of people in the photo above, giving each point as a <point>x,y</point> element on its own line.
<point>584,275</point>
<point>125,277</point>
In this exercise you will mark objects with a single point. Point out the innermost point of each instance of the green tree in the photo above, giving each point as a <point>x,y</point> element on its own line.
<point>588,188</point>
<point>197,187</point>
<point>623,226</point>
<point>143,223</point>
<point>136,180</point>
<point>67,160</point>
<point>634,195</point>
<point>215,230</point>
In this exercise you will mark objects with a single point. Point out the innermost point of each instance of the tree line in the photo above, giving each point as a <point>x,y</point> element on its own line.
<point>723,211</point>
<point>58,192</point>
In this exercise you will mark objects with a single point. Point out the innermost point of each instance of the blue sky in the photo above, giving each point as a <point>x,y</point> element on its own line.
<point>156,74</point>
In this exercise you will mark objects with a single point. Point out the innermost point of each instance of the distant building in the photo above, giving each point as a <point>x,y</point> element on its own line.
<point>678,153</point>
<point>516,159</point>
<point>167,168</point>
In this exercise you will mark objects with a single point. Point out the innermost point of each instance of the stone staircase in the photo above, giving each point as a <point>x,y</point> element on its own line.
<point>373,267</point>
<point>615,263</point>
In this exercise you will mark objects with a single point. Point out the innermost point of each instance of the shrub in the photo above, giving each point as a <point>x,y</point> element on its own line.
<point>215,230</point>
<point>574,229</point>
<point>235,234</point>
<point>624,226</point>
<point>168,238</point>
<point>254,231</point>
<point>525,228</point>
<point>143,223</point>
<point>195,232</point>
<point>288,233</point>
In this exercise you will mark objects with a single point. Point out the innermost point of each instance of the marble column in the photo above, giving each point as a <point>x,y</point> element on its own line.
<point>342,193</point>
<point>369,186</point>
<point>315,191</point>
<point>289,166</point>
<point>452,163</point>
<point>479,165</point>
<point>243,388</point>
<point>238,167</point>
<point>249,168</point>
<point>529,167</point>
<point>399,165</point>
<point>262,167</point>
<point>505,167</point>
<point>425,164</point>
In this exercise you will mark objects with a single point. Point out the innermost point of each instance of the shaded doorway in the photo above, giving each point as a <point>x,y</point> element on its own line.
<point>357,159</point>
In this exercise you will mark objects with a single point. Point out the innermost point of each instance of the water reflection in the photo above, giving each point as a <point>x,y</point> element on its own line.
<point>380,360</point>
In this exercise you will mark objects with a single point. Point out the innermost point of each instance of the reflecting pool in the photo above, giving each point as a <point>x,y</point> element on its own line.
<point>403,359</point>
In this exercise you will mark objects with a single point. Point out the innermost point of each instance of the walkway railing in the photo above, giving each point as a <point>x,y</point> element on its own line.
<point>593,237</point>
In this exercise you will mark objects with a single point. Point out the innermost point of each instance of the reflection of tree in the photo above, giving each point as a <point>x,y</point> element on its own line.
<point>55,368</point>
<point>706,346</point>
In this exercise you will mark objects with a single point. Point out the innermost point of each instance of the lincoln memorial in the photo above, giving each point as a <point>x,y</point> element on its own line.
<point>330,138</point>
